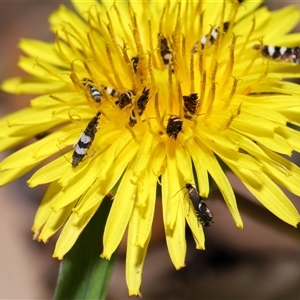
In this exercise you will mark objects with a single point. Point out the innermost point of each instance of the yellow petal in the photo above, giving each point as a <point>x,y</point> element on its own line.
<point>44,210</point>
<point>291,177</point>
<point>42,70</point>
<point>243,161</point>
<point>43,101</point>
<point>268,114</point>
<point>71,20</point>
<point>196,228</point>
<point>176,239</point>
<point>145,212</point>
<point>184,164</point>
<point>123,147</point>
<point>71,231</point>
<point>101,187</point>
<point>27,156</point>
<point>199,161</point>
<point>84,6</point>
<point>144,153</point>
<point>44,51</point>
<point>170,187</point>
<point>149,192</point>
<point>117,222</point>
<point>48,173</point>
<point>222,182</point>
<point>13,174</point>
<point>54,222</point>
<point>269,194</point>
<point>291,136</point>
<point>19,85</point>
<point>135,255</point>
<point>253,126</point>
<point>289,18</point>
<point>80,183</point>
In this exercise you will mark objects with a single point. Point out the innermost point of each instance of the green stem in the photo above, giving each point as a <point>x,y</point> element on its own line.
<point>83,274</point>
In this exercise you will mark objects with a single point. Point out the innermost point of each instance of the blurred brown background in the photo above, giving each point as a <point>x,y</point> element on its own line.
<point>261,261</point>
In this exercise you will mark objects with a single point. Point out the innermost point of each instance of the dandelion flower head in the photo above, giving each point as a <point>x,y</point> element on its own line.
<point>155,94</point>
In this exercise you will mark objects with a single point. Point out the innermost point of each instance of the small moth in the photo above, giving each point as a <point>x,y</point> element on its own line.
<point>190,105</point>
<point>124,99</point>
<point>96,94</point>
<point>135,61</point>
<point>204,215</point>
<point>85,141</point>
<point>210,39</point>
<point>174,126</point>
<point>165,52</point>
<point>141,106</point>
<point>280,53</point>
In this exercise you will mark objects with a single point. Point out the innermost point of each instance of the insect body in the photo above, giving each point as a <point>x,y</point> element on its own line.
<point>165,52</point>
<point>190,105</point>
<point>95,93</point>
<point>124,99</point>
<point>280,53</point>
<point>210,39</point>
<point>85,141</point>
<point>204,215</point>
<point>112,92</point>
<point>135,62</point>
<point>174,126</point>
<point>141,106</point>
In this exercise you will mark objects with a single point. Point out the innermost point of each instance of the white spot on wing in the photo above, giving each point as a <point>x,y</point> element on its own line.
<point>168,56</point>
<point>282,50</point>
<point>214,33</point>
<point>271,50</point>
<point>109,90</point>
<point>203,40</point>
<point>80,151</point>
<point>85,138</point>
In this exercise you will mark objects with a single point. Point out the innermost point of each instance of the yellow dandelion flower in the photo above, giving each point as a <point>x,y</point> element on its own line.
<point>156,93</point>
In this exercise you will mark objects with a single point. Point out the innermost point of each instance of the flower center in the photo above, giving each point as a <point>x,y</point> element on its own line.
<point>163,72</point>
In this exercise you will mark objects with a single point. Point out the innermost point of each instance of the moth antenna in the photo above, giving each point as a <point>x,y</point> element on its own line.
<point>63,154</point>
<point>178,192</point>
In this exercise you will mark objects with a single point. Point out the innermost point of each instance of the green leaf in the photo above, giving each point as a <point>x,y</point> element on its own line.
<point>83,274</point>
